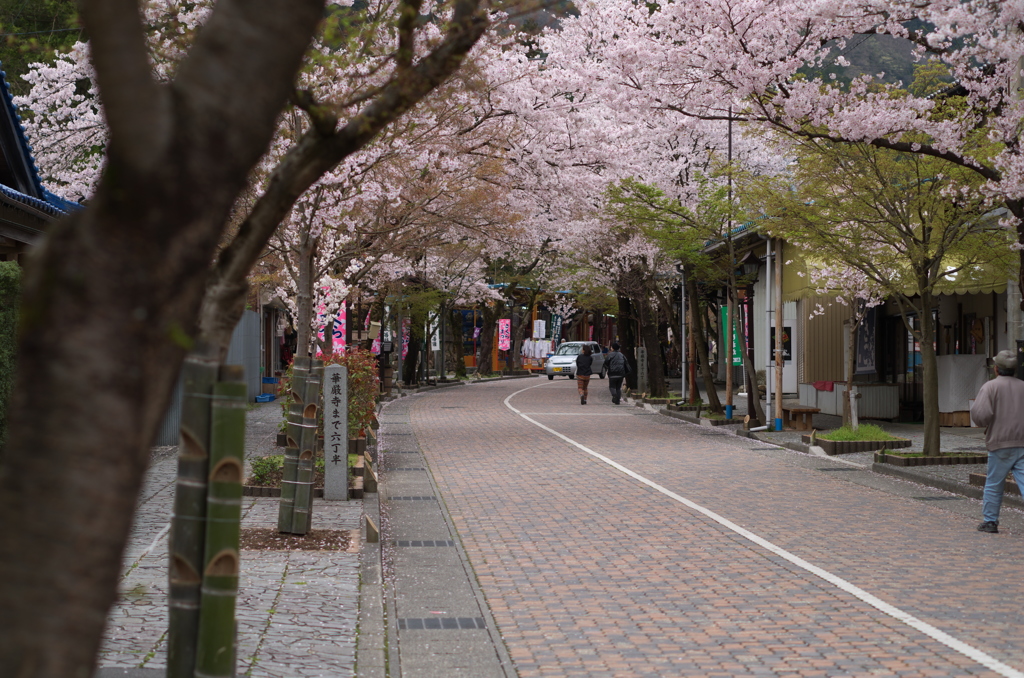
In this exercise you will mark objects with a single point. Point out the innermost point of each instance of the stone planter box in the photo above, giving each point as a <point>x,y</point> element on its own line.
<point>834,447</point>
<point>260,491</point>
<point>978,480</point>
<point>719,422</point>
<point>658,401</point>
<point>357,446</point>
<point>684,408</point>
<point>945,460</point>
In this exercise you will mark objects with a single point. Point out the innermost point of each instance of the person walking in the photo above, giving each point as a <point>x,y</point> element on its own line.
<point>583,372</point>
<point>998,407</point>
<point>617,368</point>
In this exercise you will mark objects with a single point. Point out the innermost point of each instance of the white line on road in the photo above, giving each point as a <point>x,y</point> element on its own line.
<point>949,641</point>
<point>577,414</point>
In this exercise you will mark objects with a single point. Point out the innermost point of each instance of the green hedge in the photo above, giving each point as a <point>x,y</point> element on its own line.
<point>10,289</point>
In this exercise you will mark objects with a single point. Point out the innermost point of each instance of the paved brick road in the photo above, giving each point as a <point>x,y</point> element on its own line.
<point>589,572</point>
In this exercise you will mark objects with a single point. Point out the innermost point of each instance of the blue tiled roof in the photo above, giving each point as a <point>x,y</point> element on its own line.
<point>46,202</point>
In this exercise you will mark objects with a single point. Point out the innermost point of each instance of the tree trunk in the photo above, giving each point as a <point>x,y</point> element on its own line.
<point>929,369</point>
<point>410,367</point>
<point>713,403</point>
<point>518,334</point>
<point>457,338</point>
<point>850,404</point>
<point>109,309</point>
<point>490,315</point>
<point>652,341</point>
<point>304,298</point>
<point>748,366</point>
<point>627,338</point>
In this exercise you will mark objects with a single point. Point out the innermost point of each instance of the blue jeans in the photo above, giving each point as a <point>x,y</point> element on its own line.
<point>1000,463</point>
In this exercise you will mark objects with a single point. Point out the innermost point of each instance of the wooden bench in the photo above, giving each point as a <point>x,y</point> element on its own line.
<point>798,417</point>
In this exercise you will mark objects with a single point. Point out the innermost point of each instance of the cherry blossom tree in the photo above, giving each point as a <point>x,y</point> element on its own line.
<point>112,297</point>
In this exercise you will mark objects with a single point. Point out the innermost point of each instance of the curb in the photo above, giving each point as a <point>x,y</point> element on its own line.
<point>945,485</point>
<point>952,487</point>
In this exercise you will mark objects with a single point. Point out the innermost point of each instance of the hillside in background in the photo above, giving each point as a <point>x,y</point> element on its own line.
<point>31,31</point>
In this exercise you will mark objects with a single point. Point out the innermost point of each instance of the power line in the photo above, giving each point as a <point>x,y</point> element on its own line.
<point>55,30</point>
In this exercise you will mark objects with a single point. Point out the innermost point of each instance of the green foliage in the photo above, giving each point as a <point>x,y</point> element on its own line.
<point>263,468</point>
<point>681,232</point>
<point>863,432</point>
<point>908,222</point>
<point>10,292</point>
<point>32,30</point>
<point>266,471</point>
<point>363,387</point>
<point>930,77</point>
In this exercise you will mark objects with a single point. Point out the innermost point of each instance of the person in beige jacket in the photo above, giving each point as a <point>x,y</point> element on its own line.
<point>999,407</point>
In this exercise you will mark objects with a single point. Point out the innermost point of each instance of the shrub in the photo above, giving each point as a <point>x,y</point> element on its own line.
<point>363,389</point>
<point>265,468</point>
<point>10,295</point>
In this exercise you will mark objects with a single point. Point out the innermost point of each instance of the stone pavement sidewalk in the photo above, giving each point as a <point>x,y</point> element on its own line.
<point>953,478</point>
<point>297,610</point>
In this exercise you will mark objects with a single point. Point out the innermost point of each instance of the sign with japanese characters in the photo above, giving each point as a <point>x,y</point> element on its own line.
<point>556,329</point>
<point>336,433</point>
<point>504,334</point>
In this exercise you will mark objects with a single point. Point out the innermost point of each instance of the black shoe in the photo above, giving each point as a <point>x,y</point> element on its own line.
<point>615,402</point>
<point>583,400</point>
<point>989,526</point>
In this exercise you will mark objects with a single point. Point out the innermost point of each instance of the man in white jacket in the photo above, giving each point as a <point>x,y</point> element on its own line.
<point>1000,408</point>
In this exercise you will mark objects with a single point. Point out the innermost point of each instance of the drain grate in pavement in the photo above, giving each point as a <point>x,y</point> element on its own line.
<point>837,470</point>
<point>442,623</point>
<point>408,468</point>
<point>761,449</point>
<point>403,451</point>
<point>937,498</point>
<point>431,498</point>
<point>424,542</point>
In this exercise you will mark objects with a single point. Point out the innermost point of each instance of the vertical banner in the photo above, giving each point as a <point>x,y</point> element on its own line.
<point>336,433</point>
<point>504,334</point>
<point>556,329</point>
<point>338,330</point>
<point>406,328</point>
<point>340,323</point>
<point>737,351</point>
<point>435,333</point>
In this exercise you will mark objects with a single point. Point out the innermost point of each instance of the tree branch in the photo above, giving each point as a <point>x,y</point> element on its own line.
<point>136,107</point>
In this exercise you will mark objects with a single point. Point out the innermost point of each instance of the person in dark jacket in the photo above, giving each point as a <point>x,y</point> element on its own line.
<point>617,367</point>
<point>583,372</point>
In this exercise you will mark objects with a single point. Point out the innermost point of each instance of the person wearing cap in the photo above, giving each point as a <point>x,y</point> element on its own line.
<point>999,407</point>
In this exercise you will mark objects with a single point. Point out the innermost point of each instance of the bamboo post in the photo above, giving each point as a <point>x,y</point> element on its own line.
<point>215,648</point>
<point>318,370</point>
<point>303,499</point>
<point>300,373</point>
<point>188,524</point>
